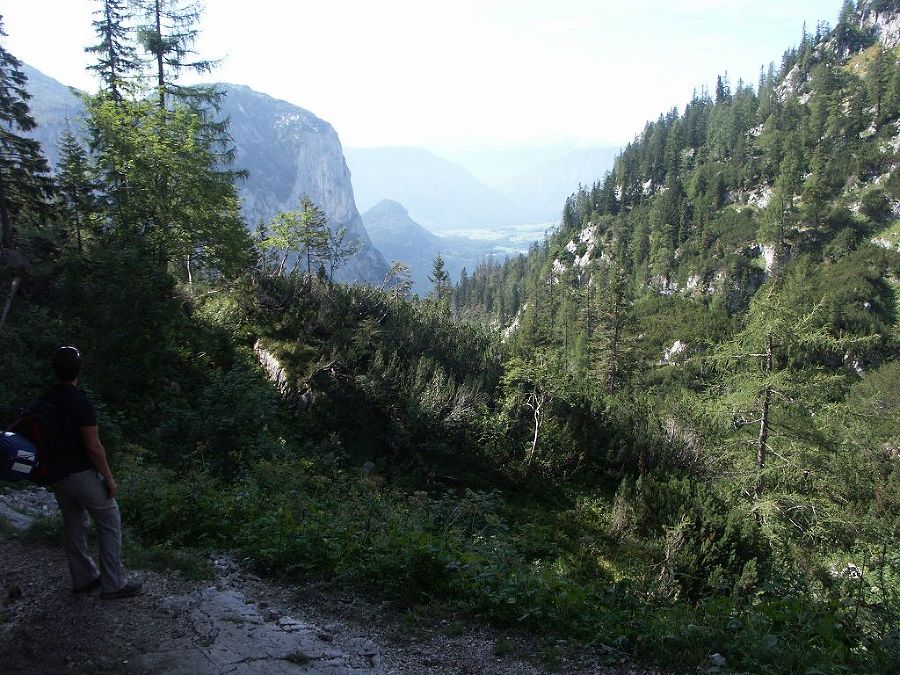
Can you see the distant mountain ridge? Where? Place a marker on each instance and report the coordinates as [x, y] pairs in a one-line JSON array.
[[53, 106], [399, 237], [439, 194], [444, 195], [543, 187]]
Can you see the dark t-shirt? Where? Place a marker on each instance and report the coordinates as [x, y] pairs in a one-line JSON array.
[[75, 411]]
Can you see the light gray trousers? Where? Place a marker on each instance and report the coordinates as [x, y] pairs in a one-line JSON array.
[[83, 493]]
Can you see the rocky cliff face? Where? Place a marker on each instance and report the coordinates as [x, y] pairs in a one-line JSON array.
[[53, 106], [290, 152], [882, 16]]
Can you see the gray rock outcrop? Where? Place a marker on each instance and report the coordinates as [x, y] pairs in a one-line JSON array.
[[290, 152], [883, 18]]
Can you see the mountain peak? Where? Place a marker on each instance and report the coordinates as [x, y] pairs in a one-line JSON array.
[[389, 207]]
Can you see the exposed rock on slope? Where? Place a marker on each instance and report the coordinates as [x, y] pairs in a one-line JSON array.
[[53, 106], [883, 19], [290, 152]]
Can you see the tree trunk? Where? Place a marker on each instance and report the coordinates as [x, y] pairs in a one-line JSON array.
[[9, 301], [763, 423], [8, 239], [536, 404], [614, 347], [77, 223], [160, 64]]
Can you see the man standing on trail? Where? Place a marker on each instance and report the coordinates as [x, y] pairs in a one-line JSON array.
[[88, 487]]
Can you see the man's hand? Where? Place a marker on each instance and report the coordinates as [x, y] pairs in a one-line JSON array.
[[111, 488], [90, 437]]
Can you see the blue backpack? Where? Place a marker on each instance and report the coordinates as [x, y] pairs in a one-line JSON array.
[[18, 457], [31, 448]]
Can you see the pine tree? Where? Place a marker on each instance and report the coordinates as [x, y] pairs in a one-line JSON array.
[[771, 380], [398, 280], [168, 35], [75, 186], [610, 320], [312, 231], [339, 249], [25, 186], [723, 90], [117, 64], [300, 232], [441, 280], [878, 81], [162, 185]]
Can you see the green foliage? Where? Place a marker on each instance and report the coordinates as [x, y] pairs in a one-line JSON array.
[[163, 185], [224, 430], [549, 427], [711, 547], [117, 62], [301, 232]]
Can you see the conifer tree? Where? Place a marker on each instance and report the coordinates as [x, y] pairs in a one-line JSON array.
[[398, 280], [168, 36], [312, 230], [25, 186], [339, 248], [441, 280], [74, 184], [771, 380], [117, 64], [878, 80], [163, 167], [303, 232], [608, 339]]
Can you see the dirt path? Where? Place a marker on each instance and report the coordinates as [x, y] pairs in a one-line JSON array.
[[236, 624]]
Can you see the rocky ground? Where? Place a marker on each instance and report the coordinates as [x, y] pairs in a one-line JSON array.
[[236, 623]]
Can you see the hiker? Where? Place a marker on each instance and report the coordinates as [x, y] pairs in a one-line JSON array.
[[88, 486]]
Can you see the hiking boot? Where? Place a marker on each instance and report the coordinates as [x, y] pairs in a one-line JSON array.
[[128, 590], [87, 588]]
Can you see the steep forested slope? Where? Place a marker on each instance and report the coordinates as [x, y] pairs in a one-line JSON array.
[[735, 278]]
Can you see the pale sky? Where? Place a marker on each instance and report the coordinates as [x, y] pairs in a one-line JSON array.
[[465, 74]]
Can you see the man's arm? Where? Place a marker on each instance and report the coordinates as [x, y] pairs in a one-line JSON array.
[[91, 438]]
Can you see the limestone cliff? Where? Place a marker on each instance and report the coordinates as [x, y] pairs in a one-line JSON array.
[[290, 152], [883, 17], [54, 107]]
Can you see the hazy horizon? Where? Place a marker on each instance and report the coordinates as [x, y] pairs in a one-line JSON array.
[[479, 82]]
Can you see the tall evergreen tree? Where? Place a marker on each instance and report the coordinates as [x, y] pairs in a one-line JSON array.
[[168, 36], [75, 186], [25, 186], [440, 278], [771, 380], [608, 345], [117, 64]]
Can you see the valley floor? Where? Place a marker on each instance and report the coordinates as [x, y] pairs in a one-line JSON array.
[[236, 623]]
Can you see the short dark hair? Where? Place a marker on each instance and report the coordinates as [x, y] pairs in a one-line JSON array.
[[67, 363]]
